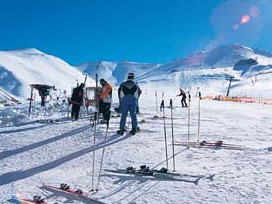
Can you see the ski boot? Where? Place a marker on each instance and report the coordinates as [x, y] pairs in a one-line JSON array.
[[145, 170], [163, 170], [38, 199], [79, 192], [133, 131], [203, 143], [64, 187], [131, 169], [219, 143], [120, 132], [103, 121]]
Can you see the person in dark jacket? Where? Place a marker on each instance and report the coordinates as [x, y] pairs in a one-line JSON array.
[[76, 101], [183, 99], [129, 93]]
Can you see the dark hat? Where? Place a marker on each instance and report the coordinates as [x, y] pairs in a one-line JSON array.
[[130, 75], [102, 80]]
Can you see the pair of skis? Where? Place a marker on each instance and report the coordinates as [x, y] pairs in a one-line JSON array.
[[63, 188], [161, 174], [77, 193], [209, 144], [34, 200]]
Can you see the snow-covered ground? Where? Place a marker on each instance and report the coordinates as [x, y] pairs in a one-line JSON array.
[[34, 153]]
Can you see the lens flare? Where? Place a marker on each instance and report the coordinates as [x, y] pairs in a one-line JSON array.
[[245, 19], [235, 27], [254, 12]]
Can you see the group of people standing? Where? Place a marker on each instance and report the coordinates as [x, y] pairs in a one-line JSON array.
[[128, 94]]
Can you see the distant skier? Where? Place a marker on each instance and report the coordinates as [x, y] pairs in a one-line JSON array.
[[129, 93], [76, 101], [183, 99], [137, 104], [105, 99]]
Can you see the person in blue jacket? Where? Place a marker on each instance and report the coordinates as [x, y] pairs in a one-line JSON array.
[[129, 93]]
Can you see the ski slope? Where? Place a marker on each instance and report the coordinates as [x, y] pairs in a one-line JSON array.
[[33, 154], [20, 68]]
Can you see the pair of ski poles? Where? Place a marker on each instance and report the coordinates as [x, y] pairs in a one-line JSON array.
[[162, 107], [172, 127], [103, 150]]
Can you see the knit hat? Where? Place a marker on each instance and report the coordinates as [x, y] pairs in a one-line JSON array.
[[130, 75]]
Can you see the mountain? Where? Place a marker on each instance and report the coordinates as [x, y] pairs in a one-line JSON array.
[[116, 72], [20, 68], [210, 70]]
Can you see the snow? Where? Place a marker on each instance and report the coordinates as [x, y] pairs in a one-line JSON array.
[[34, 154], [48, 148]]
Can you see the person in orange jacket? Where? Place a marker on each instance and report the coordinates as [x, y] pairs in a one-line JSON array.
[[105, 99]]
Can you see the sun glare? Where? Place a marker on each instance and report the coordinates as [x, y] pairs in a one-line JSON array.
[[245, 19]]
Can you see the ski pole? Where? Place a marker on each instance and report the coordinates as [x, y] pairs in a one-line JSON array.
[[156, 95], [189, 113], [165, 139], [103, 151], [198, 131], [95, 124], [172, 124]]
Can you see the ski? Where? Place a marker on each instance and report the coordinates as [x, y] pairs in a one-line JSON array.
[[215, 145], [161, 174], [34, 200], [79, 194]]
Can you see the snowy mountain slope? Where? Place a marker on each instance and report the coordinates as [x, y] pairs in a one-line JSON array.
[[116, 72], [211, 70], [20, 68], [103, 69], [221, 57]]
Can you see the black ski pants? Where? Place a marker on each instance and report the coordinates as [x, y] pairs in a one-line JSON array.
[[105, 109], [75, 111], [183, 102]]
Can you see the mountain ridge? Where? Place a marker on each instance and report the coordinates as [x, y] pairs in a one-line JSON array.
[[19, 68]]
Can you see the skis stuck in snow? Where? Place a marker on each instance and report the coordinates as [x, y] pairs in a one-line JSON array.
[[162, 174]]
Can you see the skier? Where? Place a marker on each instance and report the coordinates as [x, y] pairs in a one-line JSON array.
[[129, 93], [183, 99], [105, 99], [76, 101]]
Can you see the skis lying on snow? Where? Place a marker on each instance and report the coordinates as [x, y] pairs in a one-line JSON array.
[[162, 174], [214, 145], [78, 193], [34, 200]]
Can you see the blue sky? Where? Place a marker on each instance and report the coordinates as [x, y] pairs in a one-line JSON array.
[[136, 30]]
